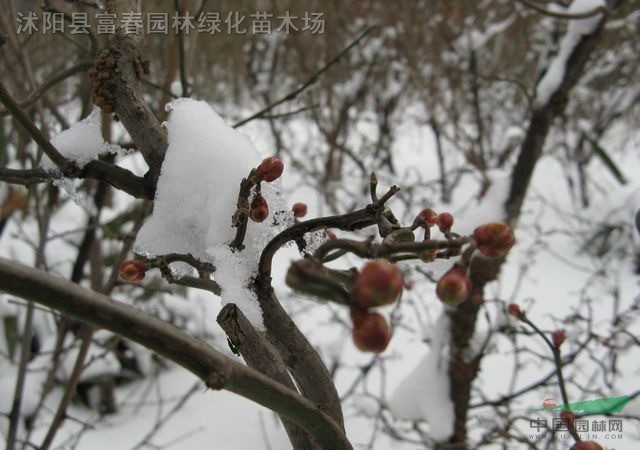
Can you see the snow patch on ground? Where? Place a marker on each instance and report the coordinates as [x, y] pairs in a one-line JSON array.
[[424, 394]]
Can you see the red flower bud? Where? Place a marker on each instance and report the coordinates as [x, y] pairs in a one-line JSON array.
[[371, 331], [299, 210], [445, 222], [454, 286], [558, 337], [378, 283], [132, 270], [330, 234], [494, 239], [259, 209], [429, 216], [270, 169], [586, 445], [514, 310]]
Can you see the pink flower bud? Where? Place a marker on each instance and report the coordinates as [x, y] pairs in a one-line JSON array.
[[379, 283], [445, 222], [270, 169], [259, 209], [514, 310], [132, 270], [299, 210], [371, 331], [558, 337], [494, 239], [429, 216], [454, 286]]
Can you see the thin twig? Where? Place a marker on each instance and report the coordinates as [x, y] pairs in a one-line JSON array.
[[312, 80], [48, 84], [60, 161], [25, 355]]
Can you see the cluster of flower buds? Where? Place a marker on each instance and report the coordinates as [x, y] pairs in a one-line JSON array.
[[430, 218], [269, 170], [454, 286], [494, 239], [379, 283], [132, 270], [586, 445]]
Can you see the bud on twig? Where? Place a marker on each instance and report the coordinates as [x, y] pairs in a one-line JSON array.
[[299, 210], [454, 286], [514, 310], [494, 239], [558, 337], [429, 217], [270, 169], [379, 283], [132, 270], [259, 209], [445, 222], [371, 331]]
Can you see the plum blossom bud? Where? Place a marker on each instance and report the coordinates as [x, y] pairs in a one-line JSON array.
[[259, 209], [132, 270], [514, 310], [445, 222], [330, 234], [371, 331], [454, 286], [299, 210], [494, 239], [379, 283], [270, 169], [558, 337], [428, 216]]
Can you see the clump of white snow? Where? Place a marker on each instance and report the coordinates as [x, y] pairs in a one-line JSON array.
[[81, 143], [577, 28], [196, 197], [198, 187], [424, 394]]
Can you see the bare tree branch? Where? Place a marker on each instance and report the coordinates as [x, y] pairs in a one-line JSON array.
[[217, 370]]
